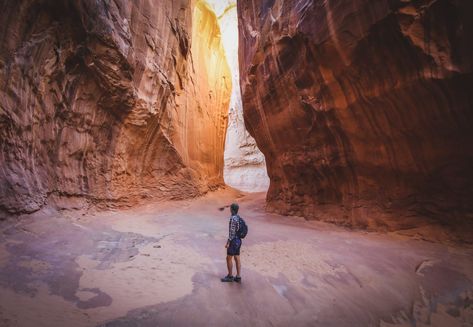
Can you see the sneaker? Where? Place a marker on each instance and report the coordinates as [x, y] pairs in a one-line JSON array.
[[227, 279], [237, 279]]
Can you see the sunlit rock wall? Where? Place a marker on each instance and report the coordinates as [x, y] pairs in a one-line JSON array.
[[245, 167], [366, 105], [109, 102]]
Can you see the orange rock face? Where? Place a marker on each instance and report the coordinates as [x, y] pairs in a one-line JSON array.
[[109, 102], [366, 105]]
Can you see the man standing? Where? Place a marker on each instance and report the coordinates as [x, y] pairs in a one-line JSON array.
[[233, 245]]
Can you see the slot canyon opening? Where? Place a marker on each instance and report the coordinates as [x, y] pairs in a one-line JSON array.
[[121, 121], [244, 164]]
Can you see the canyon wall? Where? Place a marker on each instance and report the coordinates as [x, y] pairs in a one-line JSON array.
[[245, 166], [362, 108], [109, 102]]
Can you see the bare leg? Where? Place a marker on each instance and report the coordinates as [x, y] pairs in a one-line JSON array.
[[229, 265], [238, 264]]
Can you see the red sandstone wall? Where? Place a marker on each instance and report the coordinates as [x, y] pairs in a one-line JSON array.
[[98, 102], [363, 103]]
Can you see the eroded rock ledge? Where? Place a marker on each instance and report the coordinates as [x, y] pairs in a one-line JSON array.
[[363, 109], [109, 102]]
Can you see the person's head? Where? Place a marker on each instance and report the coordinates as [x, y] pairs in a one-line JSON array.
[[234, 208]]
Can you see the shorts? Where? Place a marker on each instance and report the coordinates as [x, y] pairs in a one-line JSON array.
[[234, 247]]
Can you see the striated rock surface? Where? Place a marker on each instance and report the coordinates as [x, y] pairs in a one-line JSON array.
[[363, 109], [109, 102]]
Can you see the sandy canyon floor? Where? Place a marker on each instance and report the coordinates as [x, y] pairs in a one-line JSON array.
[[160, 265]]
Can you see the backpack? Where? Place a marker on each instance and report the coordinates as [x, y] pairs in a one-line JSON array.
[[243, 230]]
